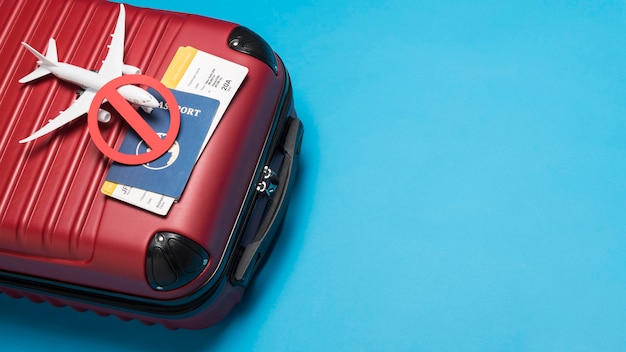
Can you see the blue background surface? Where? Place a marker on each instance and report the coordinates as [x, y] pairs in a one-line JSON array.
[[462, 185]]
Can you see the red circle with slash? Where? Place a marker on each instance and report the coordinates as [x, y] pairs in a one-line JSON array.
[[157, 145]]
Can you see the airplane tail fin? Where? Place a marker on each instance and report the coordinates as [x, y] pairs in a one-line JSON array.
[[51, 59]]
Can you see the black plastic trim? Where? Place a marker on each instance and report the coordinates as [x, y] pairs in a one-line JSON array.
[[245, 41], [275, 208], [173, 261]]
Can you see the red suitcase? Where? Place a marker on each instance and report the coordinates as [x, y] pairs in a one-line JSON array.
[[65, 242]]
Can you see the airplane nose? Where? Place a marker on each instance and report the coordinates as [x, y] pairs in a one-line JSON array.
[[152, 102]]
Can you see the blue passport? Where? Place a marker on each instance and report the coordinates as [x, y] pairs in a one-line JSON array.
[[169, 174]]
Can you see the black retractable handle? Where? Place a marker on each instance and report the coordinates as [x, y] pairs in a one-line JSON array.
[[274, 214]]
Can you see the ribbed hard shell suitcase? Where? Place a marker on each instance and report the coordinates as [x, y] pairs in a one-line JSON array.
[[64, 242]]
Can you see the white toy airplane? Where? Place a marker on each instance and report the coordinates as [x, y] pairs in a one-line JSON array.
[[112, 67]]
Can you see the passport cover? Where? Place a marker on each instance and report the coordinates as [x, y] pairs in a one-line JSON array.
[[168, 175]]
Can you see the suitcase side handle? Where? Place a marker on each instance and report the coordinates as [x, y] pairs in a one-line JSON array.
[[253, 253]]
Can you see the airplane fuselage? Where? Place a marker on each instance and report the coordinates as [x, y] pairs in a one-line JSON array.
[[92, 80]]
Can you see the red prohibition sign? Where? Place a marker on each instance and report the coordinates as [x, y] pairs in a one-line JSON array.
[[157, 145]]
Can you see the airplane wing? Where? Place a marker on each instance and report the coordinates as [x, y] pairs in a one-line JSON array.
[[76, 110], [114, 61]]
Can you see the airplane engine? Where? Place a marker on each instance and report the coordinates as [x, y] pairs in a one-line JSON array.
[[104, 116], [130, 70]]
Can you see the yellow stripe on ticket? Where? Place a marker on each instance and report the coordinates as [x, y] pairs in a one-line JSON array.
[[108, 188], [178, 66]]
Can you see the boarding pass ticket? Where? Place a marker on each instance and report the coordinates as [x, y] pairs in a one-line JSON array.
[[195, 72]]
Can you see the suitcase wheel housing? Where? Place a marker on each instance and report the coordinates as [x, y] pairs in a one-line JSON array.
[[173, 261]]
